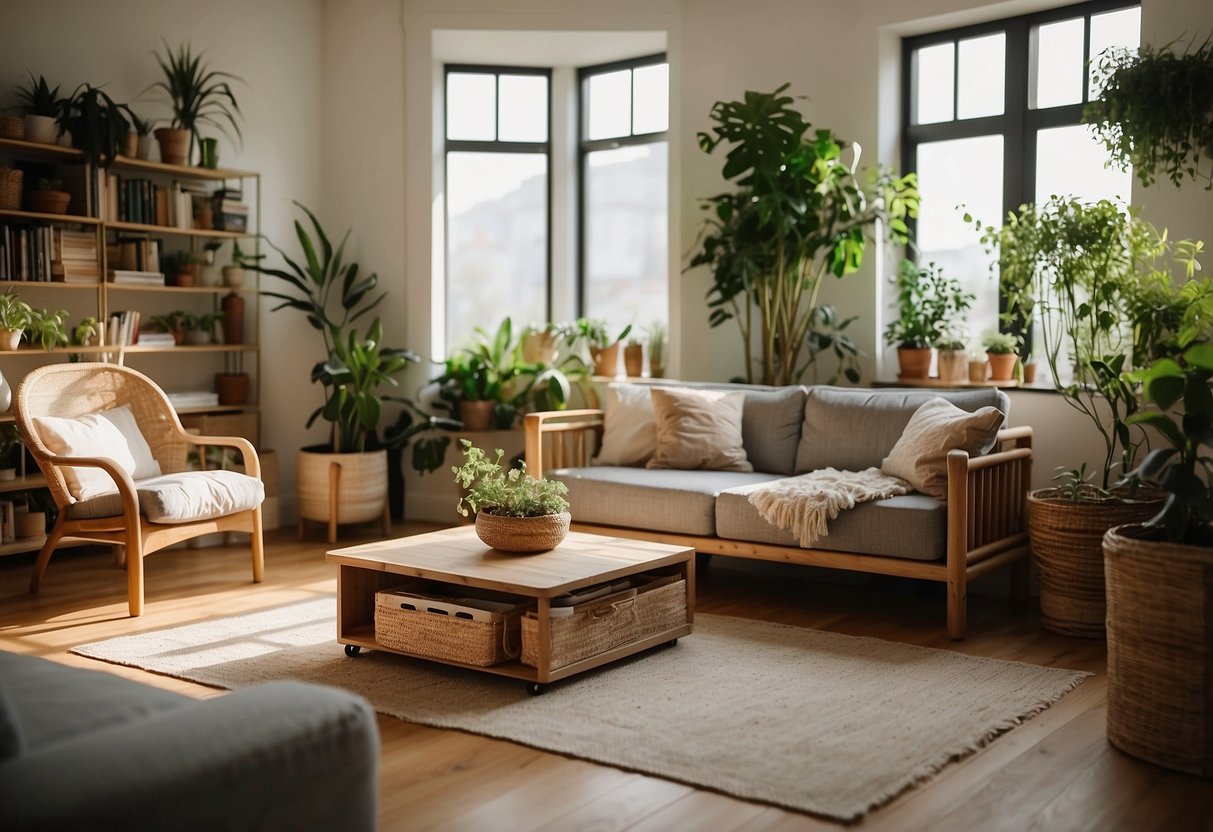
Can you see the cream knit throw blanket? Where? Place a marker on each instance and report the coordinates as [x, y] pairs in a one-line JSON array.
[[803, 504]]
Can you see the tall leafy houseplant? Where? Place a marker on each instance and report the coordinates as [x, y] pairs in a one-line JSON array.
[[797, 214], [198, 95], [1155, 111]]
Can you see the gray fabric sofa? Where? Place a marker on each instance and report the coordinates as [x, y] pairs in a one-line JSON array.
[[83, 749], [794, 430]]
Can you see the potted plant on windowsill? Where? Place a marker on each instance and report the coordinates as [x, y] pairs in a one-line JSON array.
[[514, 512], [1002, 351], [197, 95], [953, 359], [927, 302], [1160, 647], [592, 335]]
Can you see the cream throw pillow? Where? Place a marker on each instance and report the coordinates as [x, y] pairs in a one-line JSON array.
[[113, 434], [920, 456], [629, 431], [698, 429]]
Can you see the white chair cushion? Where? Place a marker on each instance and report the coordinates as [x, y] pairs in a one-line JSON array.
[[180, 498], [112, 434]]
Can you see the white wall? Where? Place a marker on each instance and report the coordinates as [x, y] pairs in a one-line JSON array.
[[275, 47]]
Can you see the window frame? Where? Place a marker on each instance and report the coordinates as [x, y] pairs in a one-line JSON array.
[[496, 146], [586, 146], [1019, 124]]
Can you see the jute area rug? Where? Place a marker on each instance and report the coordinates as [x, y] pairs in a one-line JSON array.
[[828, 724]]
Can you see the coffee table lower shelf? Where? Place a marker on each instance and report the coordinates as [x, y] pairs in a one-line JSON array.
[[364, 637]]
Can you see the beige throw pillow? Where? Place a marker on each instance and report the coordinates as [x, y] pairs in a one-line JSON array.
[[920, 456], [698, 429], [629, 432], [113, 434]]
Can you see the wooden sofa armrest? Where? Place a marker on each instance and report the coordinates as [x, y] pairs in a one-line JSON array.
[[557, 438]]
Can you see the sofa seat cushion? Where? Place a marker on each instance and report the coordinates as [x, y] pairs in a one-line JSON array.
[[51, 703], [912, 526], [679, 502], [853, 429], [184, 497]]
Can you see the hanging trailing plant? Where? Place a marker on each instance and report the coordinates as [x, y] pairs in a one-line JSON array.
[[1155, 111], [798, 213]]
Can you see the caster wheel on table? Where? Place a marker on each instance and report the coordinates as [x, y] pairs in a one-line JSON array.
[[536, 689], [672, 642], [352, 650]]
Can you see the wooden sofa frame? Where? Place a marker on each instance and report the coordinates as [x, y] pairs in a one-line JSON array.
[[986, 497]]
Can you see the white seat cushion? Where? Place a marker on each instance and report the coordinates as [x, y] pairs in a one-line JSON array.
[[112, 434], [180, 498]]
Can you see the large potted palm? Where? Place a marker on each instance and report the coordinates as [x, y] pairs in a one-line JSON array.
[[344, 480], [198, 96], [1160, 573], [1074, 268]]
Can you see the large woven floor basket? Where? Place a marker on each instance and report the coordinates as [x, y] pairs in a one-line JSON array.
[[1067, 542], [522, 534], [1160, 650]]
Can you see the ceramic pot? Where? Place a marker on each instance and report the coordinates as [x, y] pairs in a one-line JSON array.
[[232, 388], [914, 362], [174, 145], [477, 415], [143, 149], [41, 129], [185, 276], [130, 145], [6, 394], [197, 337], [606, 360], [233, 276], [633, 360], [10, 339]]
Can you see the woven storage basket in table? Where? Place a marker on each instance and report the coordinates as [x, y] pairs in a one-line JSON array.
[[610, 622], [1160, 650], [10, 189], [445, 637], [1067, 542]]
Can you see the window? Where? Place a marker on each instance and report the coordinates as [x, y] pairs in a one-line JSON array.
[[992, 120], [497, 198], [624, 192]]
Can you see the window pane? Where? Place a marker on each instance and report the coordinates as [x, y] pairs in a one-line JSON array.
[[982, 65], [497, 220], [524, 108], [470, 106], [934, 71], [1057, 76], [610, 104], [1070, 162], [626, 230], [1118, 28], [968, 173], [651, 98]]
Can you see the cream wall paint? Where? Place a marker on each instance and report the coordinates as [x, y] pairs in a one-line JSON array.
[[275, 46]]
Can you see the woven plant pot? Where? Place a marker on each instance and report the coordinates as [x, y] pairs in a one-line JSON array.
[[1160, 650], [522, 534], [361, 489], [1067, 541]]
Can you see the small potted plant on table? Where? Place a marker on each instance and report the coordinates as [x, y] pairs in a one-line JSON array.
[[514, 512]]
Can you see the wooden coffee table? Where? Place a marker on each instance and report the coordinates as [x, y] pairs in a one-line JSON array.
[[457, 557]]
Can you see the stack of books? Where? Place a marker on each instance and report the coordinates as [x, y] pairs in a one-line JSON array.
[[123, 328], [25, 252], [193, 398], [136, 253], [74, 256], [155, 338], [231, 214], [136, 278]]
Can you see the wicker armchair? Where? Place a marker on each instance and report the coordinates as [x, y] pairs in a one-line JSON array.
[[76, 390]]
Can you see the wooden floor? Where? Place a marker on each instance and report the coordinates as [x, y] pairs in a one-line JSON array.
[[1056, 771]]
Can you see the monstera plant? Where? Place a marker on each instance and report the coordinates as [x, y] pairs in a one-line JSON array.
[[797, 214]]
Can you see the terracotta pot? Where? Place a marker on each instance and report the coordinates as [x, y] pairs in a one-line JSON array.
[[1002, 365], [233, 318], [539, 347], [633, 360], [47, 202], [522, 534], [174, 145], [1029, 373], [606, 360], [232, 388], [361, 485], [130, 145], [953, 365], [477, 415], [185, 275], [1160, 649], [914, 362]]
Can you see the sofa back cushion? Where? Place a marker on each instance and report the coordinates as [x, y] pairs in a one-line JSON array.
[[854, 428], [770, 428]]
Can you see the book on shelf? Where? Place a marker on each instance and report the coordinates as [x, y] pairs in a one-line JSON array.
[[123, 328], [133, 277], [134, 253], [74, 256], [194, 398], [156, 338], [26, 252]]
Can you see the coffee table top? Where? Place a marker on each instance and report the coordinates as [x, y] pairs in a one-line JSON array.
[[457, 556]]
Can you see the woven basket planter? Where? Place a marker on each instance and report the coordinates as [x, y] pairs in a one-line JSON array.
[[1067, 541], [522, 534], [361, 489], [1160, 650]]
